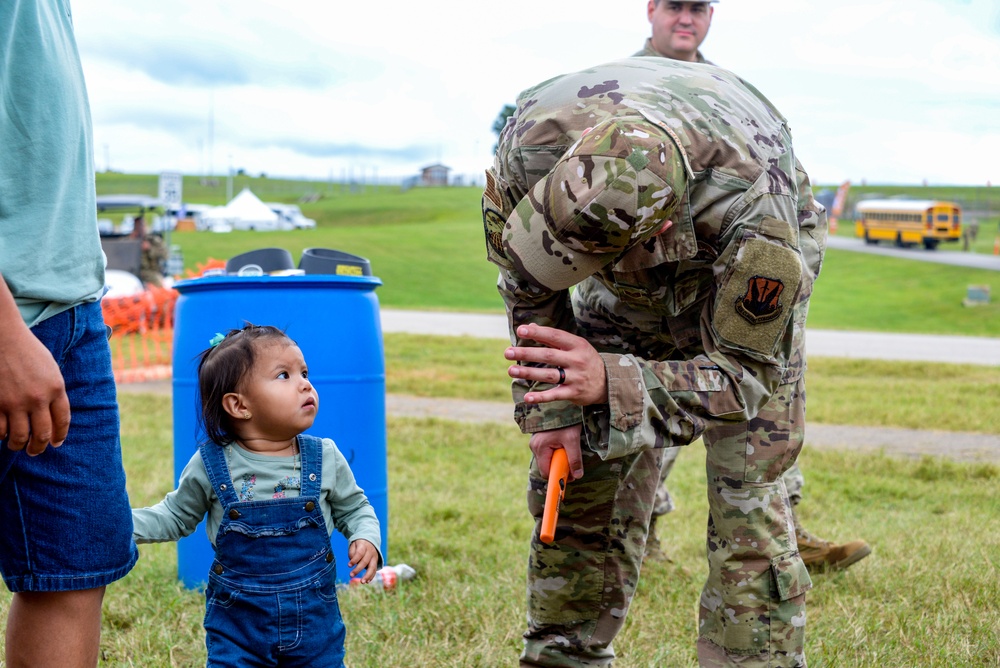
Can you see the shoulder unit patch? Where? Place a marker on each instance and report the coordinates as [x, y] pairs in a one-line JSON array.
[[494, 222], [761, 302], [757, 295]]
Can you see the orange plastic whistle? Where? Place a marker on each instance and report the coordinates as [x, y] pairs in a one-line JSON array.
[[558, 475]]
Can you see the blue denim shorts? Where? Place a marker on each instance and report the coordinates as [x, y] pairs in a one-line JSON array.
[[65, 516]]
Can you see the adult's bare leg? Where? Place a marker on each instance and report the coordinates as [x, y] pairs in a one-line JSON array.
[[54, 629]]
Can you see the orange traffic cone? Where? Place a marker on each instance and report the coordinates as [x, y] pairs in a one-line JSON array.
[[996, 246]]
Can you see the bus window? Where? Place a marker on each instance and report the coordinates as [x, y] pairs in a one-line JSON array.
[[943, 217]]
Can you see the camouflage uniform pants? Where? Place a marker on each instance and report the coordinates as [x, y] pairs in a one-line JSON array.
[[664, 503], [794, 482], [752, 610]]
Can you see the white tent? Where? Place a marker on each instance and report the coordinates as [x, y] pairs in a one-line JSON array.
[[244, 212]]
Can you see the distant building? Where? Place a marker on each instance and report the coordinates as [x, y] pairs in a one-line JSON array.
[[434, 175]]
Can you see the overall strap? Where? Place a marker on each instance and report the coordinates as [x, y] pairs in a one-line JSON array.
[[214, 457], [311, 458]]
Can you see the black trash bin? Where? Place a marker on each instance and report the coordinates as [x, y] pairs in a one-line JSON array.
[[260, 261], [330, 261]]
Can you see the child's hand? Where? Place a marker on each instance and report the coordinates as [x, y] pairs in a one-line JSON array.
[[363, 556]]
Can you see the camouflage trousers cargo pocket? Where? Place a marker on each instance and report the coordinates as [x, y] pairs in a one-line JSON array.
[[765, 611], [787, 582]]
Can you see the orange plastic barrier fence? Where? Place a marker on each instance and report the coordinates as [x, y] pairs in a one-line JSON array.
[[142, 334], [142, 330]]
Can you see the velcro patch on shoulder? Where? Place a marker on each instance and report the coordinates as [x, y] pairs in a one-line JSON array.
[[755, 302], [779, 229], [494, 222]]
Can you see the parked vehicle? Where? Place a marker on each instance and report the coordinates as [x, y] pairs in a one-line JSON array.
[[290, 217], [121, 283], [908, 222]]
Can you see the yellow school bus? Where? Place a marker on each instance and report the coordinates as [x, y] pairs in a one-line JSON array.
[[907, 221]]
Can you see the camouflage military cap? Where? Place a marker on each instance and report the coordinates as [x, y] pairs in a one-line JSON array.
[[613, 188]]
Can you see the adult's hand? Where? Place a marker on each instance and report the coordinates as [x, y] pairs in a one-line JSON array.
[[583, 382], [544, 443], [34, 408]]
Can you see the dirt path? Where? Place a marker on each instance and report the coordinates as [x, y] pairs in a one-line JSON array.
[[959, 446]]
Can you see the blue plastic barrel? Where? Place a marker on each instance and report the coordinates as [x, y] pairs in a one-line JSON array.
[[335, 321]]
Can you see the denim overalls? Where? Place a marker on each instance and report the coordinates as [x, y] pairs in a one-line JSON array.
[[271, 596]]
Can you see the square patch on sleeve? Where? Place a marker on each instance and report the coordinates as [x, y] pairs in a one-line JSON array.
[[494, 222], [755, 303]]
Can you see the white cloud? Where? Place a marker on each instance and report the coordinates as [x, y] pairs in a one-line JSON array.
[[886, 90]]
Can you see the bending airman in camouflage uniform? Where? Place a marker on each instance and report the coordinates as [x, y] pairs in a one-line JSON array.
[[668, 194]]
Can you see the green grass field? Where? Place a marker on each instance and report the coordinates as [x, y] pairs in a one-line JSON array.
[[928, 596]]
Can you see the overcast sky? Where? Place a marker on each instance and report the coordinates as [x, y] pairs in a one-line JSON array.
[[886, 91]]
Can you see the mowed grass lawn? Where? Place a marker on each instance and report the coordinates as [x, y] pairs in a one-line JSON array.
[[928, 596]]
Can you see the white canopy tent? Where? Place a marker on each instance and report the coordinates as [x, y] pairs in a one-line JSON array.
[[244, 212]]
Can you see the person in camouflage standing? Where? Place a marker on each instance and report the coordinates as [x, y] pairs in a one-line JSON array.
[[678, 30], [668, 195], [154, 256]]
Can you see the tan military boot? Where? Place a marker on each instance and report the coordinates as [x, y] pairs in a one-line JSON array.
[[819, 554]]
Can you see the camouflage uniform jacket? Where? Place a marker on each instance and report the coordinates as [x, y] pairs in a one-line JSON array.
[[689, 324], [154, 255], [648, 51]]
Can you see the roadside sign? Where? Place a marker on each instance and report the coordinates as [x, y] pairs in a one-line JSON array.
[[171, 186]]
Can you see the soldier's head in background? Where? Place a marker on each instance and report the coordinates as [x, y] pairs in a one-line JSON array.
[[679, 28]]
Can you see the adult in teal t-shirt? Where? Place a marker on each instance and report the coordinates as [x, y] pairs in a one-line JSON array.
[[50, 249], [60, 456]]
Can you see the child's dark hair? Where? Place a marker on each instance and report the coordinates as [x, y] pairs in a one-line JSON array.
[[221, 371]]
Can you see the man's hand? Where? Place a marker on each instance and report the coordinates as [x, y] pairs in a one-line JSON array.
[[363, 556], [544, 443], [584, 381], [34, 408]]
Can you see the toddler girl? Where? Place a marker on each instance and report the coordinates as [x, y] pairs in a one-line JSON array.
[[272, 495]]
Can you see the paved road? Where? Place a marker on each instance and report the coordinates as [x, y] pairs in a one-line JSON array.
[[939, 256], [819, 343]]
